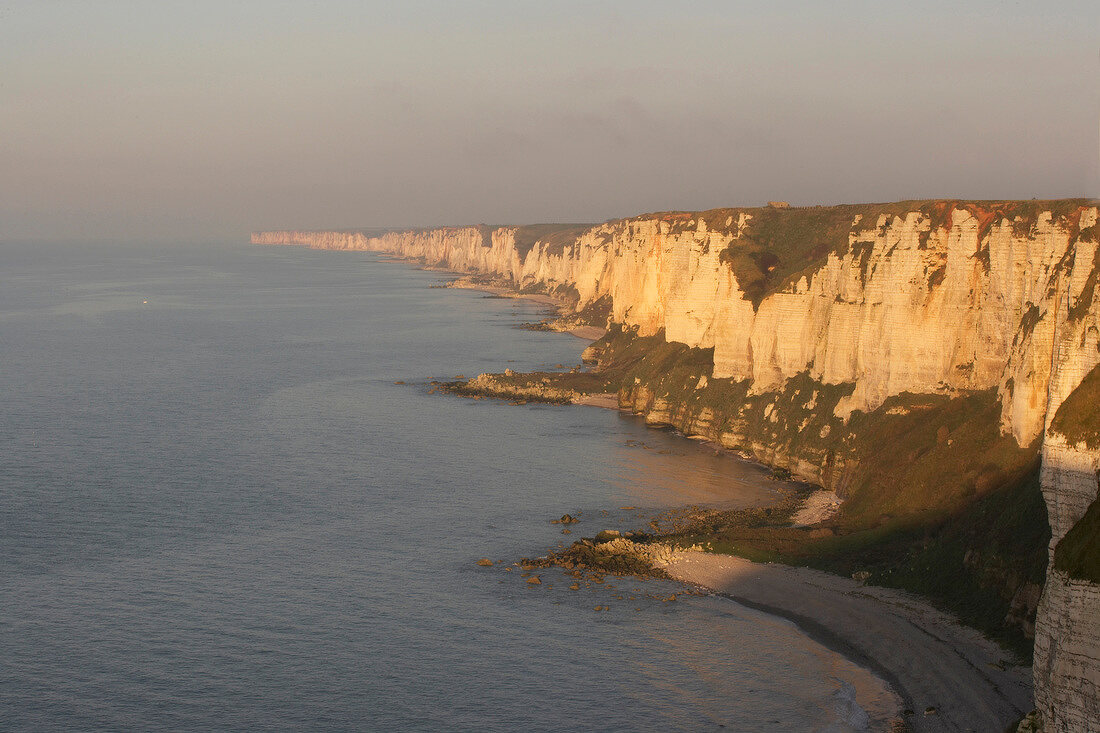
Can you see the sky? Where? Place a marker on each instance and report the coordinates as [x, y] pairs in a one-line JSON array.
[[206, 120]]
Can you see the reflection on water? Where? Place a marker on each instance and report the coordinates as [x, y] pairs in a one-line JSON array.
[[219, 511], [663, 468]]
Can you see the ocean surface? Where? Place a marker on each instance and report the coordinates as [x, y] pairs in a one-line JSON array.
[[219, 512]]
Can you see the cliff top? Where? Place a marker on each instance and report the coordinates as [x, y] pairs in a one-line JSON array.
[[778, 245]]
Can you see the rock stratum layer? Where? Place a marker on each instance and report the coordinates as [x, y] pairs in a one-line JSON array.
[[914, 298]]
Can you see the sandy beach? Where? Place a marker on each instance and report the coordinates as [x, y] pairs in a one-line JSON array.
[[965, 681]]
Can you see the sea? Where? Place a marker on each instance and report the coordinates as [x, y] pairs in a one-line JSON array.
[[230, 501]]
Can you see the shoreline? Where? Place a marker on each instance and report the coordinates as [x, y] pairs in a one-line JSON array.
[[463, 282], [927, 658]]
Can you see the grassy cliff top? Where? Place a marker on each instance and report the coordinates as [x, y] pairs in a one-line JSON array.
[[779, 244]]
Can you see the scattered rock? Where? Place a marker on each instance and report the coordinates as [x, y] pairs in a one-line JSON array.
[[606, 535], [485, 562], [930, 710], [460, 376], [861, 576], [534, 580], [575, 586], [399, 382], [567, 531]]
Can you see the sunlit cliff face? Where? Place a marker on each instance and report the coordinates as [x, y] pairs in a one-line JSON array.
[[905, 307]]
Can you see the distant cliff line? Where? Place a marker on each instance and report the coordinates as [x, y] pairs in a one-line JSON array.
[[923, 297]]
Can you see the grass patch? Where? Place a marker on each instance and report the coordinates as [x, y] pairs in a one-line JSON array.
[[1078, 553], [1078, 417]]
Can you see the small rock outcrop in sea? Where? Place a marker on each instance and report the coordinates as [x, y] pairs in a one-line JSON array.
[[612, 553]]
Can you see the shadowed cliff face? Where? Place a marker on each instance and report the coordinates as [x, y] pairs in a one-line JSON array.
[[872, 302]]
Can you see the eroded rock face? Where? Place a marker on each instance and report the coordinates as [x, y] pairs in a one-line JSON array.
[[1067, 625], [1067, 647], [909, 307]]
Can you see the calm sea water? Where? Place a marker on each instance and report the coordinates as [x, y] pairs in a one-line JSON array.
[[219, 512]]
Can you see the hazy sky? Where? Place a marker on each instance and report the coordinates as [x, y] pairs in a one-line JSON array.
[[206, 120]]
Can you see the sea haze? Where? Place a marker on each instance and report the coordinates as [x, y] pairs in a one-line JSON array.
[[219, 511]]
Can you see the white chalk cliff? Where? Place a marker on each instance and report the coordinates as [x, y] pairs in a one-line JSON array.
[[980, 299]]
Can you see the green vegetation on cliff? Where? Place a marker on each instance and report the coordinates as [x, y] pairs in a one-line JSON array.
[[985, 561], [1078, 417], [1078, 553]]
